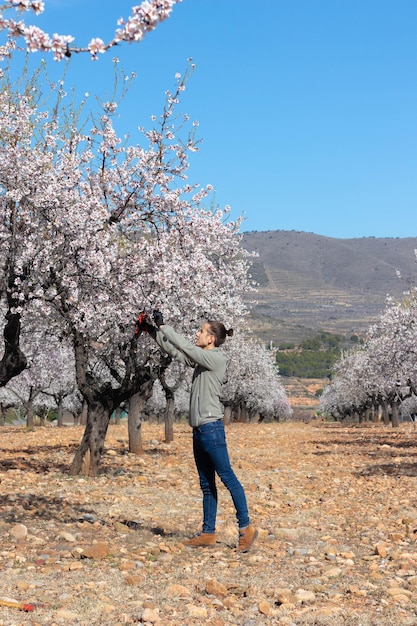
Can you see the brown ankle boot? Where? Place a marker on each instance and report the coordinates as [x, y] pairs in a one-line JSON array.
[[201, 540], [246, 538]]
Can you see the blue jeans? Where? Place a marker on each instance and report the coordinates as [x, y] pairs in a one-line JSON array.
[[211, 457]]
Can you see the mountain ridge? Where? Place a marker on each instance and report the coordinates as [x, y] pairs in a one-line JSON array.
[[309, 282]]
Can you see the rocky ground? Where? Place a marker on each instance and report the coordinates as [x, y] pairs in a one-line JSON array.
[[335, 507]]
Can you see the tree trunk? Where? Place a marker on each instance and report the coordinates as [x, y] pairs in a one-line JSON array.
[[60, 420], [242, 412], [134, 421], [227, 417], [170, 402], [169, 419], [385, 413], [84, 414], [117, 415], [92, 445], [30, 422], [13, 361], [395, 418]]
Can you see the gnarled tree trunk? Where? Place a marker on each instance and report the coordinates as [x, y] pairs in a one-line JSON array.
[[87, 457], [13, 361], [102, 399]]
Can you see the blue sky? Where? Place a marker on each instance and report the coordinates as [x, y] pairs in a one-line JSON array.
[[307, 108]]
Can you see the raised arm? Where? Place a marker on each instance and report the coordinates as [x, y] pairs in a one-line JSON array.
[[170, 348], [167, 336]]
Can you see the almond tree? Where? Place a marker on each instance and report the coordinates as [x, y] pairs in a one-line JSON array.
[[347, 393], [24, 167], [392, 351], [48, 381], [94, 231], [383, 372], [253, 383]]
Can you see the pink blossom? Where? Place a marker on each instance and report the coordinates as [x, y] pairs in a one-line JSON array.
[[96, 46], [36, 39], [144, 18]]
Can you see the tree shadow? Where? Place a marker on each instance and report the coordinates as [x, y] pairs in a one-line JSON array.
[[381, 447], [42, 459], [154, 530], [52, 459], [389, 469], [392, 440], [15, 507], [33, 464]]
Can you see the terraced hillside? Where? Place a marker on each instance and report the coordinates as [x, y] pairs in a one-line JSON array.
[[308, 282]]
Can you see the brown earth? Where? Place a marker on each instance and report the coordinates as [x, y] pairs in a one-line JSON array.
[[335, 507]]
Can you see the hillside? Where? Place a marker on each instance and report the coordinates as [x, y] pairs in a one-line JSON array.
[[309, 282]]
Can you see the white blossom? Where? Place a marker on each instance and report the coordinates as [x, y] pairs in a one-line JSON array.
[[144, 18]]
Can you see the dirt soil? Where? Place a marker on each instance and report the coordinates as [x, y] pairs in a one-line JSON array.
[[335, 507]]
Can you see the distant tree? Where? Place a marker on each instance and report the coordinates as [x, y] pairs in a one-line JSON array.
[[306, 364], [382, 372], [253, 385], [313, 358], [48, 380], [286, 345], [311, 344]]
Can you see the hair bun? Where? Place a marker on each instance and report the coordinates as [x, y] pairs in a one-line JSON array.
[[229, 332]]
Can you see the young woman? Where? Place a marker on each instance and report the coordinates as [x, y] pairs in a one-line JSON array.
[[205, 416]]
